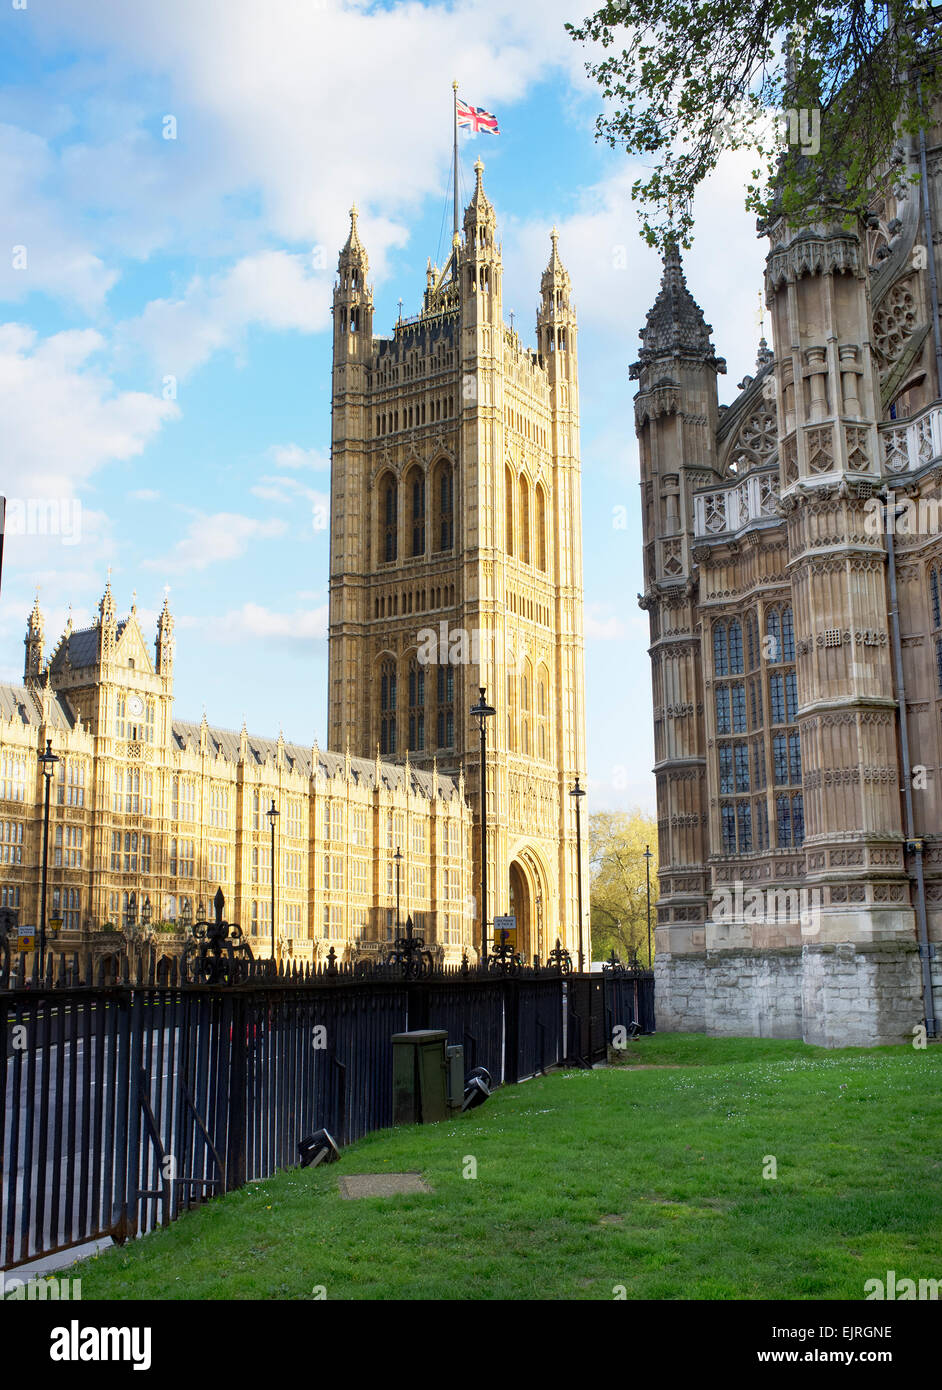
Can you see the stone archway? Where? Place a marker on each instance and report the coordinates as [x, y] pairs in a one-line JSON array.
[[528, 896], [520, 907]]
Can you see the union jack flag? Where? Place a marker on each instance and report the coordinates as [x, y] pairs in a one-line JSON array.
[[475, 118]]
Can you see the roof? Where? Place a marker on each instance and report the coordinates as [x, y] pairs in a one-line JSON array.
[[81, 647], [186, 736], [22, 704]]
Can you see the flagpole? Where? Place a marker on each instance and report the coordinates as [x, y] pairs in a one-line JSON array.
[[454, 87]]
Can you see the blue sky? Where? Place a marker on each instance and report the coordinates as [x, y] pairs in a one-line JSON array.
[[165, 330]]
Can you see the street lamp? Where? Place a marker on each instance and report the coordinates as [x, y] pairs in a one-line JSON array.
[[648, 857], [48, 761], [186, 915], [397, 860], [130, 914], [146, 913], [272, 817], [578, 793], [482, 711]]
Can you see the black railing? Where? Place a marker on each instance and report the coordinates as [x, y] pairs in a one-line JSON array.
[[124, 1103]]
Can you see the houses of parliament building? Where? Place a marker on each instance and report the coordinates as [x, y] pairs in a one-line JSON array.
[[793, 582], [455, 565]]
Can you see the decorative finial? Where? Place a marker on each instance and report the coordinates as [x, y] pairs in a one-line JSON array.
[[133, 601]]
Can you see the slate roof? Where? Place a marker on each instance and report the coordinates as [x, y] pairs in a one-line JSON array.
[[82, 649], [186, 735], [19, 703]]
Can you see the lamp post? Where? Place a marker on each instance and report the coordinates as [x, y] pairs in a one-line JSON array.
[[577, 793], [48, 761], [482, 711], [648, 856], [186, 916], [272, 817], [397, 860], [539, 924]]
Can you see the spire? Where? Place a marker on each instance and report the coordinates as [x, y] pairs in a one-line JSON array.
[[164, 643], [675, 322], [353, 245], [555, 277], [480, 209], [33, 641], [106, 608]]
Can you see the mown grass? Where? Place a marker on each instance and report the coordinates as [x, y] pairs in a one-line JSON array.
[[589, 1180]]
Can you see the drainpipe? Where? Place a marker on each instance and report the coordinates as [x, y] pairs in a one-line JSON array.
[[914, 843]]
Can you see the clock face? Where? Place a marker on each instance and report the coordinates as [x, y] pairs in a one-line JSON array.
[[136, 706]]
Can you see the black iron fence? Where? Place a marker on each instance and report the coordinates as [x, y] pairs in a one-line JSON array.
[[122, 1104]]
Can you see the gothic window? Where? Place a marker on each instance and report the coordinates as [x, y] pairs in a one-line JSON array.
[[727, 648], [509, 511], [119, 723], [728, 822], [752, 646], [387, 705], [390, 496], [445, 497], [790, 821], [525, 685], [416, 707], [542, 710], [523, 521], [415, 489], [934, 593], [540, 528], [445, 694]]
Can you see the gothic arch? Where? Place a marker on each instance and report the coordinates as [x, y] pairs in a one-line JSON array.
[[530, 898]]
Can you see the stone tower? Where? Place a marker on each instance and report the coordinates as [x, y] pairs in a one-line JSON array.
[[456, 558]]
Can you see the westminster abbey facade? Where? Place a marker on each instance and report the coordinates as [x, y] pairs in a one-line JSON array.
[[793, 582], [455, 563]]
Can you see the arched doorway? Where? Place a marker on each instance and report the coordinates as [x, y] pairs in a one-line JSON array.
[[520, 908]]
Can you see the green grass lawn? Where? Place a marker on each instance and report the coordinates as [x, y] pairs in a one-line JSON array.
[[649, 1179]]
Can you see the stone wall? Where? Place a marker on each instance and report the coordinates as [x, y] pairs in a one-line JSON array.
[[831, 995]]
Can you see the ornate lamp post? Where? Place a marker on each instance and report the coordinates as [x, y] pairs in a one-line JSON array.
[[397, 860], [186, 915], [272, 818], [47, 761], [648, 857], [482, 711], [577, 793]]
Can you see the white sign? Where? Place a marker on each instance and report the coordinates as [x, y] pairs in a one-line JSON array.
[[505, 924]]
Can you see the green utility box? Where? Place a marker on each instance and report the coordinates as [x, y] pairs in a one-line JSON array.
[[419, 1078]]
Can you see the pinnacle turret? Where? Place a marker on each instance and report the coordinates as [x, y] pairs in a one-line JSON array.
[[675, 322]]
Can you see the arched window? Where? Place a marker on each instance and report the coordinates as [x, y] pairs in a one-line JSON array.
[[445, 694], [934, 595], [526, 681], [416, 707], [509, 512], [727, 648], [415, 491], [540, 527], [445, 502], [523, 521], [390, 503], [387, 708]]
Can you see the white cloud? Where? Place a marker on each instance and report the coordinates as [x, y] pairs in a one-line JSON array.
[[272, 289], [301, 106], [62, 416], [43, 252], [144, 494], [210, 539], [287, 491], [293, 456], [303, 627]]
